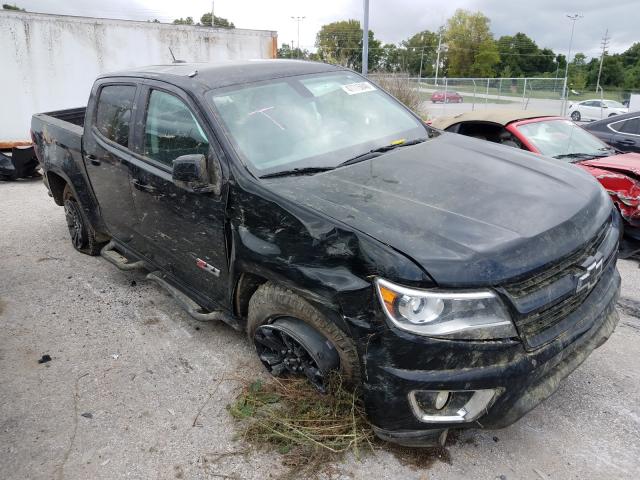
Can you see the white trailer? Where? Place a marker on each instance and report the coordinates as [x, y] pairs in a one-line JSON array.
[[49, 62]]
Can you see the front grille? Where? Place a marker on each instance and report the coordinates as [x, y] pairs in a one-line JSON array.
[[554, 272], [537, 322]]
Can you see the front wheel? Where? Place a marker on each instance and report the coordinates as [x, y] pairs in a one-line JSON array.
[[293, 338], [83, 236], [575, 116]]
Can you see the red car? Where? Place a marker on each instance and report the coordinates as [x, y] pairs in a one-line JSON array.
[[446, 97], [560, 138]]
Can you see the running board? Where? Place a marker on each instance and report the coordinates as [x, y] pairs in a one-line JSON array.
[[110, 254], [191, 307]]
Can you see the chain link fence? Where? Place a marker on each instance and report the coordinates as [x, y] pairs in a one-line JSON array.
[[457, 95]]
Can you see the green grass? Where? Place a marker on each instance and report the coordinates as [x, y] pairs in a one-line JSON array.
[[505, 91]]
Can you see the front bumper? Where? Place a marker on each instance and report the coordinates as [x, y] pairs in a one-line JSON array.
[[397, 363]]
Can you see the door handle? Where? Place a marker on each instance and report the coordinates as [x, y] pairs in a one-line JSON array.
[[626, 142], [92, 159], [145, 187]]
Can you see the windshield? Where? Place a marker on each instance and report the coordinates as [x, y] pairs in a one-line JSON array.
[[563, 139], [613, 104], [311, 121]]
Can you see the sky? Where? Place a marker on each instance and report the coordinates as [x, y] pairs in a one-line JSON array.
[[391, 20]]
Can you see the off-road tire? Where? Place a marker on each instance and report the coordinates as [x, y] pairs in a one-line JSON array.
[[85, 239], [271, 301], [575, 116]]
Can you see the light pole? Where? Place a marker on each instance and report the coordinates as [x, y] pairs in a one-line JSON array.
[[365, 39], [421, 58], [438, 56], [298, 19], [573, 18]]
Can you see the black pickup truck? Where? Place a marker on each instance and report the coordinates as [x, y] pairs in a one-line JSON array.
[[453, 282]]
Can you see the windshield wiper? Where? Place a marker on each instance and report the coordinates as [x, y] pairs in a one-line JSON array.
[[297, 171], [379, 151], [582, 156]]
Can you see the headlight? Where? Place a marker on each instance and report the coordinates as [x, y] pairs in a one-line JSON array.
[[478, 315]]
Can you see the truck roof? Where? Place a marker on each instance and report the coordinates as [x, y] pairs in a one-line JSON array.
[[225, 73]]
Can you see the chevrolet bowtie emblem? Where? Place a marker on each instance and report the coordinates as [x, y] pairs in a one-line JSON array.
[[593, 267]]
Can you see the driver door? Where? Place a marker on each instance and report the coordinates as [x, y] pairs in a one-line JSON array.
[[183, 231]]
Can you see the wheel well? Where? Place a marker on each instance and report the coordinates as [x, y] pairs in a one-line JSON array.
[[56, 185], [246, 286]]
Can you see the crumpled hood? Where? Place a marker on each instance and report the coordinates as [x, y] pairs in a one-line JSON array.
[[469, 212], [626, 163]]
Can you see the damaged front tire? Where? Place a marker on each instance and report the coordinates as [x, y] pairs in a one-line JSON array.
[[294, 338]]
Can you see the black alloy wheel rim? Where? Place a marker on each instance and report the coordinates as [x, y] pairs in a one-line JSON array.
[[285, 355], [74, 223]]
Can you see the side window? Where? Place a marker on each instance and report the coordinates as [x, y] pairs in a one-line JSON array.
[[631, 126], [113, 113], [171, 130]]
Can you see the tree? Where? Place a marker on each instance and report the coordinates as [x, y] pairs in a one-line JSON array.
[[486, 59], [631, 56], [341, 43], [285, 51], [578, 72], [470, 43], [523, 57], [205, 21], [390, 58], [6, 6], [183, 21], [421, 50]]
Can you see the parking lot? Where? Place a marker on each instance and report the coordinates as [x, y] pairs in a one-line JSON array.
[[137, 389]]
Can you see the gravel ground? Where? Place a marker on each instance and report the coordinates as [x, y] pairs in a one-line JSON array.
[[131, 374]]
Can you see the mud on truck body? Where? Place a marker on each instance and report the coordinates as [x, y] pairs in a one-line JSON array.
[[453, 282]]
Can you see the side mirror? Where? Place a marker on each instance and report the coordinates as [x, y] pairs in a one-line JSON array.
[[190, 173]]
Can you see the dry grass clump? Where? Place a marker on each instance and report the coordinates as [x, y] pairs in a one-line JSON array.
[[313, 431], [402, 88], [308, 428]]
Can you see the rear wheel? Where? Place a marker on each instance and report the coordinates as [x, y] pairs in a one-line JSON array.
[[292, 338], [575, 116], [83, 236]]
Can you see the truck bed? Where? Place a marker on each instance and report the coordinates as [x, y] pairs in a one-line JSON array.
[[71, 115], [58, 142]]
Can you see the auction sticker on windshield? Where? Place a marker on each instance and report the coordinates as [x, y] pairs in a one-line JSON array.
[[360, 87]]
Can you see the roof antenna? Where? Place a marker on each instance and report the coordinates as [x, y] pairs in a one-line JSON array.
[[174, 57]]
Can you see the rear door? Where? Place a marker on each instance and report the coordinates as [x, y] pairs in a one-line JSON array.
[[590, 110], [626, 134], [107, 150], [183, 231]]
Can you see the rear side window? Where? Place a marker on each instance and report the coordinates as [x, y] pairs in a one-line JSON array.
[[631, 126], [171, 130], [114, 112]]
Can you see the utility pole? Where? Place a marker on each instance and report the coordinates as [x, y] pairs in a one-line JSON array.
[[298, 19], [292, 49], [421, 59], [365, 39], [605, 44], [573, 18], [438, 56], [213, 21]]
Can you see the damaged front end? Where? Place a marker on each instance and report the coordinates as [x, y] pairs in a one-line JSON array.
[[620, 177], [418, 385]]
